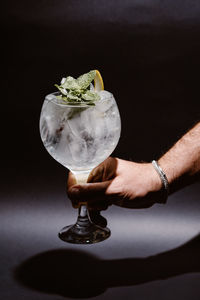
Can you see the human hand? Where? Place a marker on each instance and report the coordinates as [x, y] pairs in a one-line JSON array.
[[120, 182]]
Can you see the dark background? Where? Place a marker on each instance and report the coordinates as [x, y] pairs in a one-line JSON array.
[[148, 54]]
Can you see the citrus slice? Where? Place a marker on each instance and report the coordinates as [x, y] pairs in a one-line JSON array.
[[98, 82]]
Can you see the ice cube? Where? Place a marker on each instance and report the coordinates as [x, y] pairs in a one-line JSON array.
[[105, 102]]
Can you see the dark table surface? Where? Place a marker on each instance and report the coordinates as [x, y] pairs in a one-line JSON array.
[[151, 254]]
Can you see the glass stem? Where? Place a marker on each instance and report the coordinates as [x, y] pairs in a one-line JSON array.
[[83, 218], [83, 211]]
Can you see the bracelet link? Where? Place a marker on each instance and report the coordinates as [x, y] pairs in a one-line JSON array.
[[163, 179]]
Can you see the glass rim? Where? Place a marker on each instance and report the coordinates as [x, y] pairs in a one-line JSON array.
[[71, 104]]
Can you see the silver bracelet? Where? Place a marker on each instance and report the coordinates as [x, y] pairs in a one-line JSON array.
[[163, 179]]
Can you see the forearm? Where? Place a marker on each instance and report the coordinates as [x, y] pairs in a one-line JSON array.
[[182, 162]]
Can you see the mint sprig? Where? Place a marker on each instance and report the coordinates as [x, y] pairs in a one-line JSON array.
[[78, 90]]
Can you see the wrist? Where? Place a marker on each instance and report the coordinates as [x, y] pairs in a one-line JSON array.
[[167, 169]]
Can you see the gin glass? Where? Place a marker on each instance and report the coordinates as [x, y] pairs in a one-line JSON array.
[[80, 136]]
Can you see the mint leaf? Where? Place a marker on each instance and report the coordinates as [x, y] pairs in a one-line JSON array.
[[61, 89], [85, 79], [72, 97], [70, 84], [78, 90]]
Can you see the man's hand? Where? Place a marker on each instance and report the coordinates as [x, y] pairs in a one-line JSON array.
[[116, 181], [137, 185]]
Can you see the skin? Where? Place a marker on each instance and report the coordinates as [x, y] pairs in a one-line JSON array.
[[137, 185]]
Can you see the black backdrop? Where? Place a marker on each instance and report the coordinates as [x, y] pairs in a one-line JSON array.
[[147, 52]]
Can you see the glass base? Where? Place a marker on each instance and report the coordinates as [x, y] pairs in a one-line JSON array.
[[89, 234]]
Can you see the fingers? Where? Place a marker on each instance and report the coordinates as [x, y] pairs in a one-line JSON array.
[[97, 218], [95, 194], [138, 202]]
